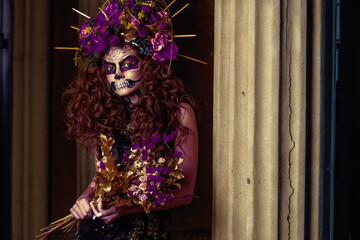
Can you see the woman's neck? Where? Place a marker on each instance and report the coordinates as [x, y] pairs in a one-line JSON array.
[[133, 98]]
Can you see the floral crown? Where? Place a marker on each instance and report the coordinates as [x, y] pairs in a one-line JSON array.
[[144, 24]]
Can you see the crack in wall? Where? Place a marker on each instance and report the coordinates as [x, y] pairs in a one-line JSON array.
[[292, 148], [288, 46]]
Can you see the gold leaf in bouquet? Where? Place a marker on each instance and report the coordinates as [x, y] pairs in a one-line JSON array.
[[170, 162], [107, 142], [178, 164], [177, 174], [106, 186]]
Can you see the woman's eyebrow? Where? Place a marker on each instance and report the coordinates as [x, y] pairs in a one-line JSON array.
[[129, 57], [109, 63]]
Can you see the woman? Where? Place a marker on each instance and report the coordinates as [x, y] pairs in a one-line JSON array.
[[129, 94]]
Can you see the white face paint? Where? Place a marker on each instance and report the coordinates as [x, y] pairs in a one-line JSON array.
[[123, 70]]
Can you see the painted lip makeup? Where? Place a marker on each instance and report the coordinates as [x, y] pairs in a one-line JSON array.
[[123, 84]]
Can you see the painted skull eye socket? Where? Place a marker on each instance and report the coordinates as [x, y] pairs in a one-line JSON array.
[[110, 68], [129, 63]]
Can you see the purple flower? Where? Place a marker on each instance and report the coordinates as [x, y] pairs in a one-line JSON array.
[[113, 12], [143, 197], [155, 178], [98, 43], [135, 22], [143, 178], [170, 136], [111, 9], [152, 188], [166, 170], [169, 52], [87, 49], [177, 154], [168, 199], [131, 2], [143, 143], [102, 165], [105, 34], [135, 146], [125, 159], [84, 30], [163, 14], [153, 170], [162, 25], [126, 153], [99, 21], [143, 31], [146, 8], [83, 41], [154, 140], [143, 186], [113, 41], [159, 198], [130, 193], [159, 41], [154, 18], [144, 157]]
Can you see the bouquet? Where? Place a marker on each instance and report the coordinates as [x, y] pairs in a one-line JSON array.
[[142, 178]]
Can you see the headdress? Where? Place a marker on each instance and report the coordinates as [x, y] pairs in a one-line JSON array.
[[144, 24]]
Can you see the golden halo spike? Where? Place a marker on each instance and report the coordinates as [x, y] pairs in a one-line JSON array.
[[104, 14], [193, 59], [75, 28], [67, 48], [184, 36], [81, 13], [169, 5], [180, 10]]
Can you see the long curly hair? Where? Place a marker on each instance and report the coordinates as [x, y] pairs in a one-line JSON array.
[[92, 107]]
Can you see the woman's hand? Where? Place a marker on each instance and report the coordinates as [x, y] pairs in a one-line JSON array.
[[81, 209], [108, 215]]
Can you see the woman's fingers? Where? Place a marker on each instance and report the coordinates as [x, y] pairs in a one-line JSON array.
[[100, 207], [81, 209], [96, 211], [110, 214], [74, 213]]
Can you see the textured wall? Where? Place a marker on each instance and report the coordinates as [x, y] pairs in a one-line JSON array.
[[30, 146], [259, 119]]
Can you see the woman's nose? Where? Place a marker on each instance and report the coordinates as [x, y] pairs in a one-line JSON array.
[[118, 77]]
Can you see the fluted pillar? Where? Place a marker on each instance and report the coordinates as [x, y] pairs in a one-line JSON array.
[[30, 142], [259, 119]]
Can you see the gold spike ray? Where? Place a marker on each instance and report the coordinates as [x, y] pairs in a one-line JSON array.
[[81, 13], [77, 29], [180, 10], [193, 59], [169, 5], [184, 35], [67, 48]]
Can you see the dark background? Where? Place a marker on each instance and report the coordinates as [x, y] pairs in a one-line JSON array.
[[347, 159]]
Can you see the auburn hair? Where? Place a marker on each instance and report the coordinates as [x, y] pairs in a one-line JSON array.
[[92, 107]]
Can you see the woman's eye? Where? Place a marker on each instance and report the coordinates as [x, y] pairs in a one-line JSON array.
[[128, 65], [110, 68]]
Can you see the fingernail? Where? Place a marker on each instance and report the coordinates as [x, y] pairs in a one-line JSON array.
[[94, 217], [99, 214]]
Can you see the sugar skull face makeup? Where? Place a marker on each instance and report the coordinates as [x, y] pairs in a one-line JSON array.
[[123, 70]]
